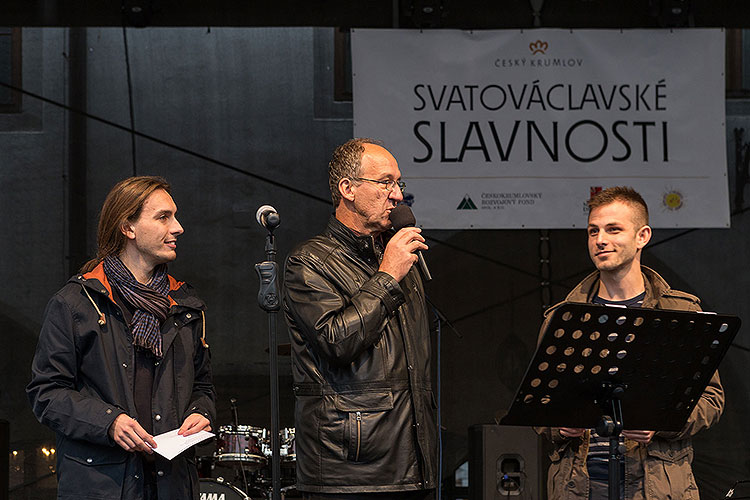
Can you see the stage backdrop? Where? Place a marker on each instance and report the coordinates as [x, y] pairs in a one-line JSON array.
[[515, 129]]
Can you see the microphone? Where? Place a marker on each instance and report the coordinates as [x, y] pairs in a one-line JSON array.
[[268, 217], [402, 216]]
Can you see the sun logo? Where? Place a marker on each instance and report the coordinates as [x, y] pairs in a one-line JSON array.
[[538, 47], [673, 200]]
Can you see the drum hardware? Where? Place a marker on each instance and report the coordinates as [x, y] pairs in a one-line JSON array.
[[218, 489], [247, 450]]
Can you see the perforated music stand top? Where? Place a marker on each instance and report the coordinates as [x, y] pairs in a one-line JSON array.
[[664, 358]]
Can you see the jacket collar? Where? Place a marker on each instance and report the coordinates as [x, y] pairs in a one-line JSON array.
[[364, 246], [96, 281], [655, 285]]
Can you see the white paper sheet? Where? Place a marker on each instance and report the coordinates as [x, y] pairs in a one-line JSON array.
[[170, 444]]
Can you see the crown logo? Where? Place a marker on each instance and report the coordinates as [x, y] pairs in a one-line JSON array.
[[538, 47]]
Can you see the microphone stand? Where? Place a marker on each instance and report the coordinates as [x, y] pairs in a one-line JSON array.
[[441, 319], [268, 299]]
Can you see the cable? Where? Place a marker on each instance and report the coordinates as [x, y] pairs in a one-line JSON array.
[[482, 257], [130, 97], [161, 142], [439, 406], [652, 245], [232, 168], [135, 133], [545, 269]]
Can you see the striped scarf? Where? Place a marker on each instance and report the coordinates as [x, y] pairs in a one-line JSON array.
[[150, 301]]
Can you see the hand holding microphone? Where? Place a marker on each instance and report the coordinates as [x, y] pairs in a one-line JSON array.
[[405, 248]]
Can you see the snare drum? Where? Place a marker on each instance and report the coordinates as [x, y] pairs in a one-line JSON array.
[[242, 445], [215, 489]]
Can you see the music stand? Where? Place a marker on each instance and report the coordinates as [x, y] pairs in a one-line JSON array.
[[600, 366]]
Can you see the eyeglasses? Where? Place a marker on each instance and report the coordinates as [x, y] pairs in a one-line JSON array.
[[388, 184]]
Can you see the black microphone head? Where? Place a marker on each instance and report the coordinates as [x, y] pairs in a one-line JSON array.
[[402, 216], [268, 217], [263, 211]]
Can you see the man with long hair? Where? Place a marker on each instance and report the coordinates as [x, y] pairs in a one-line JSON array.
[[122, 357]]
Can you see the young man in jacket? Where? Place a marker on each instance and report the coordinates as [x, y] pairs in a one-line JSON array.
[[359, 326], [656, 465], [122, 357]]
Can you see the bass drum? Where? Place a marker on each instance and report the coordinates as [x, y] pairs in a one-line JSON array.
[[218, 489]]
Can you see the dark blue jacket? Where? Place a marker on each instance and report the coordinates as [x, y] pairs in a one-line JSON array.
[[83, 378]]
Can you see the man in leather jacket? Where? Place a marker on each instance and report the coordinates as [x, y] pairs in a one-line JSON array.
[[122, 357], [359, 326], [656, 465]]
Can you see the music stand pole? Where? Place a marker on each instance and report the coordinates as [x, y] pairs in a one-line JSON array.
[[268, 299], [611, 426]]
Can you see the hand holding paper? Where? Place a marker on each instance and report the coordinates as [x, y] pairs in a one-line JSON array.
[[170, 444]]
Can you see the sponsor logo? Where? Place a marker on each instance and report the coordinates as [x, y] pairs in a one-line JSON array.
[[501, 201], [592, 191], [408, 199], [539, 59], [538, 47], [672, 200], [466, 204]]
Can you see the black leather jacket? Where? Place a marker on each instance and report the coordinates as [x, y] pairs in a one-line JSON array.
[[82, 379], [365, 410]]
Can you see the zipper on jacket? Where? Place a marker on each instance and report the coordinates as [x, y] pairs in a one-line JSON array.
[[359, 435]]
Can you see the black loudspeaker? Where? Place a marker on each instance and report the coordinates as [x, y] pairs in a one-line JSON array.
[[4, 459], [505, 462]]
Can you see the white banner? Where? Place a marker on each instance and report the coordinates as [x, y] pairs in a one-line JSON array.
[[515, 129]]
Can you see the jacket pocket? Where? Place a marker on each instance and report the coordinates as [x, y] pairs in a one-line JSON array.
[[366, 440], [91, 471], [669, 474]]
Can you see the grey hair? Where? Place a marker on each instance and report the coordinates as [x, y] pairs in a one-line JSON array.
[[346, 163]]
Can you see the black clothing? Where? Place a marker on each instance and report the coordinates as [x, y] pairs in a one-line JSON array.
[[365, 410], [83, 378]]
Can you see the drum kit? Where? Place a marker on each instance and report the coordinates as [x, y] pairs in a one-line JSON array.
[[244, 453]]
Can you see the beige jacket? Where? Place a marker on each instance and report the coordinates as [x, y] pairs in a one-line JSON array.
[[657, 471]]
